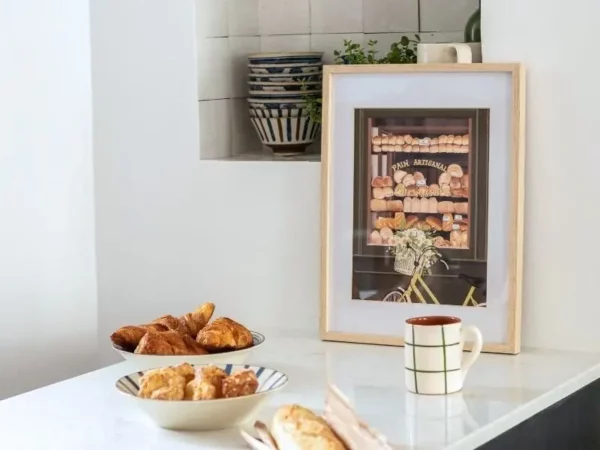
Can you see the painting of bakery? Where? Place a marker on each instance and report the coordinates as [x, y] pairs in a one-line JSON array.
[[426, 171]]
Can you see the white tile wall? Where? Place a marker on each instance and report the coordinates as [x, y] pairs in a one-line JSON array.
[[283, 17], [227, 30], [215, 128], [214, 69], [446, 15], [287, 43], [211, 18], [239, 48], [243, 17], [336, 16], [389, 16]]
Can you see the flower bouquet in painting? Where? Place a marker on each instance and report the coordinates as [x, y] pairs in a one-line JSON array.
[[414, 251]]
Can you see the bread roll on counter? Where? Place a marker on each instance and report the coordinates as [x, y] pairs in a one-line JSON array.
[[297, 428]]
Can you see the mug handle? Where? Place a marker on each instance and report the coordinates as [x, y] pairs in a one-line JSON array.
[[475, 351], [464, 54]]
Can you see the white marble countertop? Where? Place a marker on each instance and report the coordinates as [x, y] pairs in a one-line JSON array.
[[501, 391]]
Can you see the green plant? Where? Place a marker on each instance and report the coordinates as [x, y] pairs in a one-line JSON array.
[[314, 104], [402, 52]]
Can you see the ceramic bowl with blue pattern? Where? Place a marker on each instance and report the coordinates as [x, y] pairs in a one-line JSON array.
[[284, 94], [285, 77], [205, 415], [284, 86], [285, 58], [286, 128], [265, 103], [143, 362], [286, 68]]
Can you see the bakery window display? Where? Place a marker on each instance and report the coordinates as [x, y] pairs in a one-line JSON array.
[[421, 173]]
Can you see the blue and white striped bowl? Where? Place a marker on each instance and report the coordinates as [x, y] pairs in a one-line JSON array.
[[143, 362], [285, 77], [287, 131], [205, 415], [283, 87], [285, 58], [286, 68], [285, 94], [264, 103]]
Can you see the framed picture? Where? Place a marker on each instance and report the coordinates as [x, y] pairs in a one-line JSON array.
[[422, 212]]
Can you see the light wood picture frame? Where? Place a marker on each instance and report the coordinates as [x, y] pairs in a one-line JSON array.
[[378, 123]]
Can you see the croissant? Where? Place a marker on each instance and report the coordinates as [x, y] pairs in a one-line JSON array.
[[168, 343], [198, 319], [129, 336], [224, 334], [173, 323]]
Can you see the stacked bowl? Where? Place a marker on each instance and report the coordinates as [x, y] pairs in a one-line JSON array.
[[279, 86]]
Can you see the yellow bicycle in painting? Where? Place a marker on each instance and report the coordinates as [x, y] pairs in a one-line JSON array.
[[418, 290]]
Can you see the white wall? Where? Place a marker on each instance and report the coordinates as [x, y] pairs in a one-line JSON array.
[[47, 262], [172, 231], [561, 303]]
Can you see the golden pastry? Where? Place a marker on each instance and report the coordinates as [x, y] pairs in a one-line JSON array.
[[168, 343], [162, 384], [224, 334], [198, 319], [240, 384], [207, 385]]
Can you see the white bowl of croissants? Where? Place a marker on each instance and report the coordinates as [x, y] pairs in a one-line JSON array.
[[192, 338]]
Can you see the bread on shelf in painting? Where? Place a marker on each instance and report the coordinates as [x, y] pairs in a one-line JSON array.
[[395, 205], [464, 181], [433, 205], [466, 139], [408, 204], [454, 170], [386, 147], [392, 140], [400, 190], [378, 193], [447, 221], [434, 223], [422, 225], [399, 140], [387, 181], [418, 176], [411, 221], [457, 148], [434, 190], [224, 334], [412, 191], [378, 205], [461, 207], [409, 180], [445, 190], [385, 140], [443, 139], [463, 149], [457, 140], [399, 176], [424, 148], [424, 205], [423, 191], [377, 149], [445, 207], [455, 183], [464, 238], [444, 178], [455, 238], [377, 182], [376, 140], [398, 148], [388, 192], [375, 238], [399, 221], [386, 233], [408, 139]]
